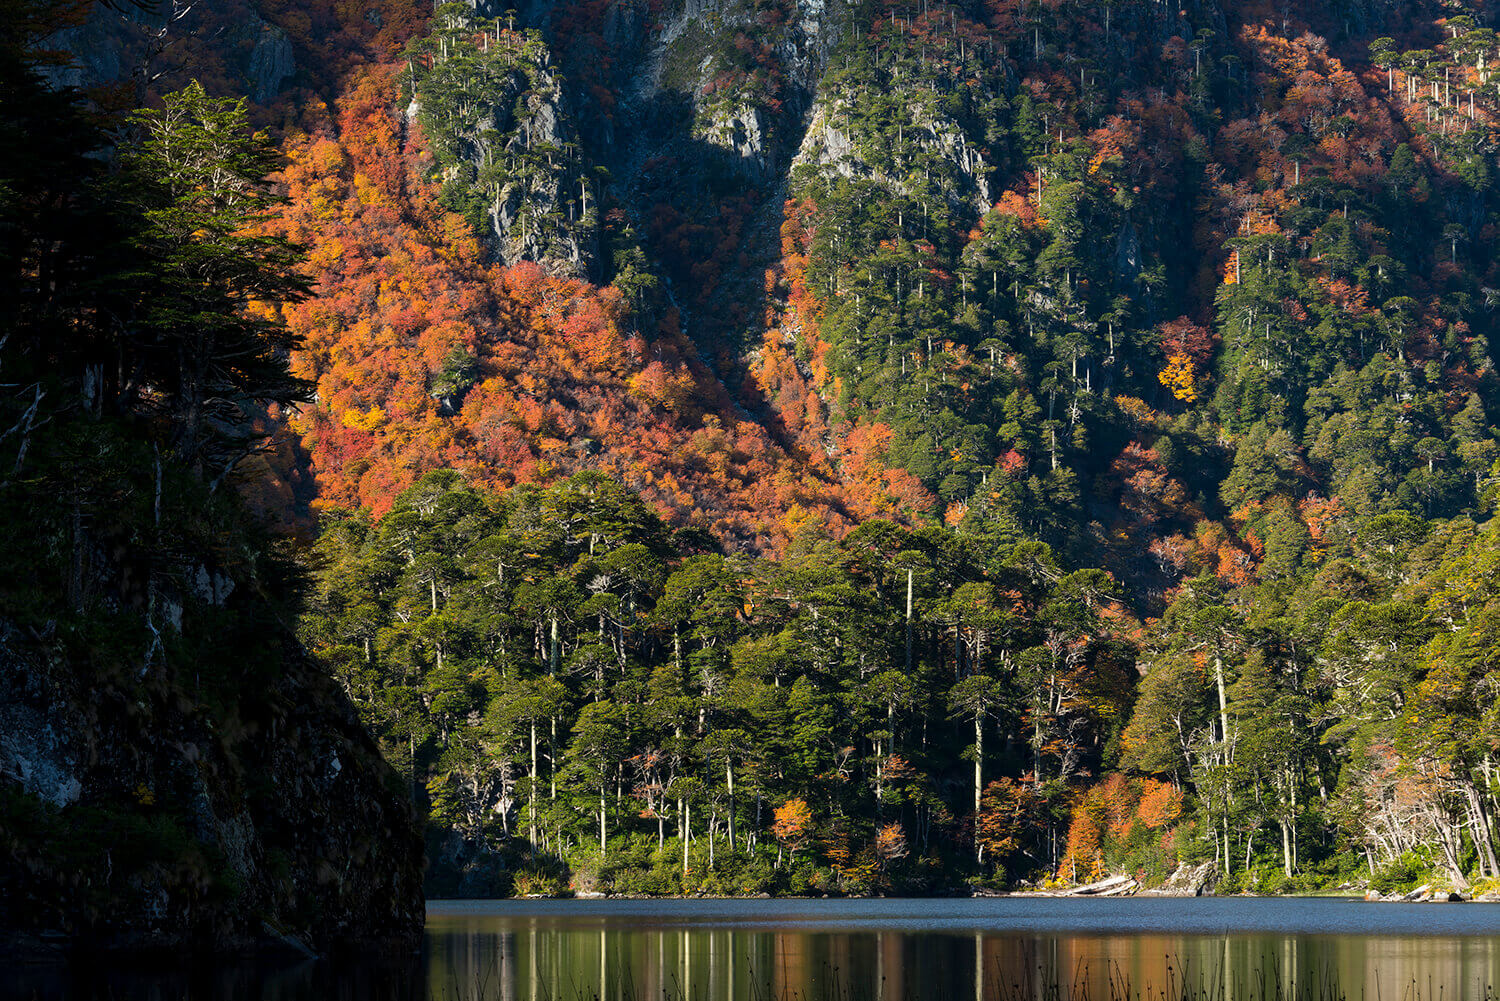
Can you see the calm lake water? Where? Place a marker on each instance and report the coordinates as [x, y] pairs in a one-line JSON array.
[[884, 950]]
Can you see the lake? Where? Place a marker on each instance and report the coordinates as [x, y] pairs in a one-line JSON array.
[[884, 950]]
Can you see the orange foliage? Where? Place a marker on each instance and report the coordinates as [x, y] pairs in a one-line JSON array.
[[1013, 204], [1161, 803], [1005, 809], [1111, 809], [1083, 860], [561, 379], [890, 844], [793, 824]]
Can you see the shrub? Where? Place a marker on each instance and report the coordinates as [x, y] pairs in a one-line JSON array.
[[535, 883], [1404, 873]]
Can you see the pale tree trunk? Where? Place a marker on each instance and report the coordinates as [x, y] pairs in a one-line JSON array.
[[553, 649], [1223, 710], [908, 622], [978, 759], [729, 781], [531, 823], [978, 779], [1483, 836]]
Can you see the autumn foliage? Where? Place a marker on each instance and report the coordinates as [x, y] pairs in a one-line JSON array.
[[793, 825], [1113, 812], [553, 374]]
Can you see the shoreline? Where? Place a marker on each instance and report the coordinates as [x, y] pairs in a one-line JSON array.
[[1148, 894]]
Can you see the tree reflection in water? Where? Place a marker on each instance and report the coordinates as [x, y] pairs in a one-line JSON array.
[[932, 950]]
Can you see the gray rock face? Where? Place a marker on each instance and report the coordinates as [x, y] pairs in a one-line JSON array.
[[99, 49], [742, 131], [271, 60], [149, 820], [747, 125], [34, 754], [508, 143], [111, 46], [1190, 881], [831, 148], [540, 215]]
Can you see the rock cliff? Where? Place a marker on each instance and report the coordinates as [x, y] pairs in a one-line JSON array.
[[497, 119], [229, 801]]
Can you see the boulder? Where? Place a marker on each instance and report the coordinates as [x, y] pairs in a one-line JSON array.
[[1190, 881]]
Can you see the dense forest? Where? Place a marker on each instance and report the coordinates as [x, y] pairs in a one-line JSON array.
[[915, 446], [879, 446]]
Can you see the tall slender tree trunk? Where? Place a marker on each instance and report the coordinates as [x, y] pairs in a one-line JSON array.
[[978, 779], [553, 649], [1223, 710], [729, 781], [535, 778], [908, 622], [1483, 835]]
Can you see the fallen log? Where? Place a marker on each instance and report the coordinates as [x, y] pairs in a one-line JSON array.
[[1119, 891], [1093, 889]]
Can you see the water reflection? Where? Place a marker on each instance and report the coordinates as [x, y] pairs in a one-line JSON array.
[[384, 979], [919, 951], [1000, 950]]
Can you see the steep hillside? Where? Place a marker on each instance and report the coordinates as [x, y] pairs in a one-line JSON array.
[[1050, 272], [426, 354], [176, 772], [981, 295], [1200, 295]]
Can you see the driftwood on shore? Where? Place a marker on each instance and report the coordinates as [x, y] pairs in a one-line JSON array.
[[1112, 886]]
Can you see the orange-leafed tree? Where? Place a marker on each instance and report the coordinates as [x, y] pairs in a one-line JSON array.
[[793, 825]]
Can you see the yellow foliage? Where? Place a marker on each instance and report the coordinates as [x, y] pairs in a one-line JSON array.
[[326, 157], [793, 824], [299, 421], [366, 192], [361, 421], [1138, 409], [1180, 377], [325, 253]]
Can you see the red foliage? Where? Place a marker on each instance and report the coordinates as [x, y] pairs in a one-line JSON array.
[[560, 384]]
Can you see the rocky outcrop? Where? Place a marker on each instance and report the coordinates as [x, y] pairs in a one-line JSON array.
[[886, 119], [750, 113], [506, 145], [1189, 881], [272, 60], [110, 45], [138, 809], [834, 146], [545, 211], [742, 130]]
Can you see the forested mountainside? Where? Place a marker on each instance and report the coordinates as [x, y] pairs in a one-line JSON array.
[[827, 446], [176, 772], [1069, 424]]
